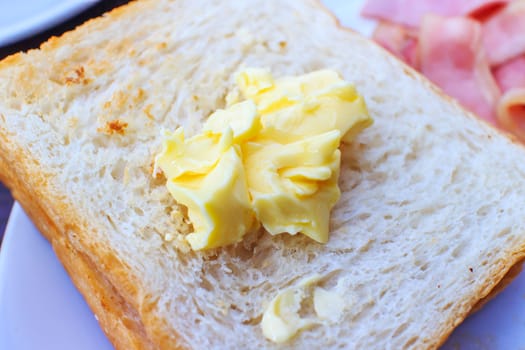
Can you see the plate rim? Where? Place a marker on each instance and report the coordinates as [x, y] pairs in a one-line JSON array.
[[40, 21]]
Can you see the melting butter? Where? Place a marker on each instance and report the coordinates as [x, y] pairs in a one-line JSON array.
[[272, 158], [281, 320]]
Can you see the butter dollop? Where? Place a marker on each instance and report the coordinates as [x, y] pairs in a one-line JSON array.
[[273, 158], [281, 320]]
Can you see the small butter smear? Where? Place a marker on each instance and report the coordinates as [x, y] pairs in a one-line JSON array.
[[271, 158], [328, 305], [281, 320]]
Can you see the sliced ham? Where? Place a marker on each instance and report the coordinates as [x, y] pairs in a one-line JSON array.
[[511, 111], [504, 33], [410, 12], [481, 9], [511, 107], [399, 40], [511, 74], [451, 55]]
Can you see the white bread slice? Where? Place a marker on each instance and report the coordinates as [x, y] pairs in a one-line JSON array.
[[429, 221]]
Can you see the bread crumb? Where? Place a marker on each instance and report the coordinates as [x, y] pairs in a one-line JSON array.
[[126, 177], [114, 126], [72, 122], [141, 94], [147, 111], [78, 78], [181, 244], [223, 307]]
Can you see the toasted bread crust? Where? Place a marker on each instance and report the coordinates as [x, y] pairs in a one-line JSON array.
[[116, 317]]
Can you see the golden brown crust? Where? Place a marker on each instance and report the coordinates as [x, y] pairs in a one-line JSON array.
[[107, 285], [513, 272], [118, 320]]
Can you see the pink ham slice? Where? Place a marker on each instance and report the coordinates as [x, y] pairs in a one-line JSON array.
[[511, 74], [480, 9], [410, 12], [504, 33], [511, 107], [398, 40], [451, 56], [511, 111]]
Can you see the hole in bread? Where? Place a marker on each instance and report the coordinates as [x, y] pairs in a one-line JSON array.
[[411, 342], [199, 310], [310, 257], [504, 232], [252, 321], [364, 216], [365, 308], [458, 250], [307, 306], [102, 172], [483, 211], [442, 250], [399, 330], [117, 173], [206, 284], [423, 265], [111, 222], [378, 99], [447, 306], [242, 252], [138, 211]]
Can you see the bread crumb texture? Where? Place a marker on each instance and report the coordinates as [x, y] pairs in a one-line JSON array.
[[427, 192]]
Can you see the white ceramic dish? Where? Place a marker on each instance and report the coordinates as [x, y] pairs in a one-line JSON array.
[[39, 306], [41, 309], [23, 18]]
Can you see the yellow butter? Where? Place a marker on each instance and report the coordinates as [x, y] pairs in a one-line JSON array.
[[281, 320], [241, 117], [288, 182], [273, 157], [292, 165], [205, 173], [328, 305]]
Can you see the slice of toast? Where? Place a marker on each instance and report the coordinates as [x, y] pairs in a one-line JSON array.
[[429, 221]]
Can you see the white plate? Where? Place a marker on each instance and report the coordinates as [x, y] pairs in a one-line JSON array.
[[40, 308], [22, 18]]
